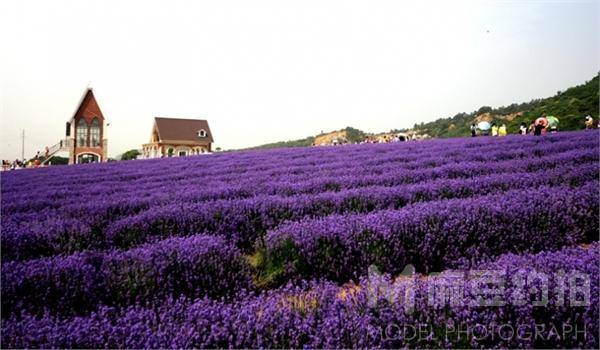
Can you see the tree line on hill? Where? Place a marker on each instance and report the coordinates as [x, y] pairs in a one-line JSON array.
[[569, 106]]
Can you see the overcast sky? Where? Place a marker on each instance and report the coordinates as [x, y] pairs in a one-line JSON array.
[[264, 71]]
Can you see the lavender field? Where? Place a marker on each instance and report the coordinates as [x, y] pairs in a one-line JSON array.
[[471, 242]]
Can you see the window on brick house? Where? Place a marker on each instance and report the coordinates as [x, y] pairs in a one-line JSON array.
[[82, 133], [95, 133]]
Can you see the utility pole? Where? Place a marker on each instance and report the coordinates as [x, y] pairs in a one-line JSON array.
[[23, 145]]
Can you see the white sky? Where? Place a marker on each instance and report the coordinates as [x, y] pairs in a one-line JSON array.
[[264, 71]]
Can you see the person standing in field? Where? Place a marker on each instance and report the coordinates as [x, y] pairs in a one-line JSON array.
[[589, 122], [494, 129], [538, 130], [473, 130], [502, 130], [523, 129]]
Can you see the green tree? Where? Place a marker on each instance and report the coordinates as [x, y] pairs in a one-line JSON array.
[[354, 135], [131, 154]]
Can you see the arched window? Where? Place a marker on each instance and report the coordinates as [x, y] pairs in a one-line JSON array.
[[95, 133], [202, 133], [82, 133]]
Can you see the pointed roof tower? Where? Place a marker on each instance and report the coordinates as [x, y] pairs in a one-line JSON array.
[[88, 107]]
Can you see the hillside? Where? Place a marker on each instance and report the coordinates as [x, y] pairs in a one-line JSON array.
[[350, 134], [569, 106]]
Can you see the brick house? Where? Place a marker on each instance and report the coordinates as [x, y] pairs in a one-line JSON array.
[[85, 134], [177, 137]]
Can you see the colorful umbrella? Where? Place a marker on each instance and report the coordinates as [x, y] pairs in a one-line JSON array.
[[483, 126], [552, 121], [541, 121]]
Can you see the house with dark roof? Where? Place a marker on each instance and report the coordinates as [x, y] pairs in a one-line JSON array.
[[178, 137]]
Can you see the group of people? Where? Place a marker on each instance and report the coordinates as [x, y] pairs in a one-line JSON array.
[[46, 153], [390, 138], [495, 130], [498, 130], [537, 127], [15, 164], [22, 164]]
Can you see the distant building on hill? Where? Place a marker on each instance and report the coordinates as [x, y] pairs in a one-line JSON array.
[[177, 137]]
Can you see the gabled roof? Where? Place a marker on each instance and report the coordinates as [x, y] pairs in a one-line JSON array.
[[179, 129], [88, 106]]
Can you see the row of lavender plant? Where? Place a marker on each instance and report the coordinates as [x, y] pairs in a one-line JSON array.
[[195, 266], [380, 312], [245, 220], [284, 170], [95, 212], [432, 236], [348, 177], [98, 209], [249, 161], [86, 281]]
